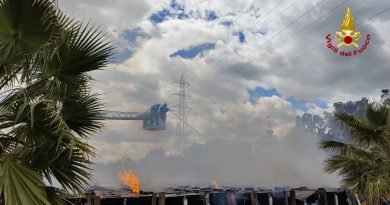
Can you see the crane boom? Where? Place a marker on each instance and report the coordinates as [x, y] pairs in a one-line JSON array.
[[153, 119], [118, 115]]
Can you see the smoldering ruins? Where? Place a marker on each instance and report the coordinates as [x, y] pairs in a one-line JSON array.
[[223, 196], [223, 173]]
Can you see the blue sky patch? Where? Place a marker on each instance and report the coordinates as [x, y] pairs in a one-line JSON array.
[[302, 105], [182, 16], [241, 36], [211, 15], [193, 51], [132, 35], [122, 56], [263, 33], [259, 92], [297, 104], [227, 23], [160, 16], [174, 10], [178, 10], [264, 92], [321, 104], [176, 6]]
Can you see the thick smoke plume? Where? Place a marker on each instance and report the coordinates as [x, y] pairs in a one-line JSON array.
[[294, 161]]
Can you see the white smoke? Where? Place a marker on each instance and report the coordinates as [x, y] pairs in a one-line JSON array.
[[295, 161]]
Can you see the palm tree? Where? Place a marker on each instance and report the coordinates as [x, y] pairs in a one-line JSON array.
[[364, 164], [47, 109]]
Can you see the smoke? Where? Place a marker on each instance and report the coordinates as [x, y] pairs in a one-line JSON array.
[[268, 162]]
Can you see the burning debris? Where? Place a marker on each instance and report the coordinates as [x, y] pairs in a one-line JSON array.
[[128, 178]]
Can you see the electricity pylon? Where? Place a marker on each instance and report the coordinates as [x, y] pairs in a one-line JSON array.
[[181, 138]]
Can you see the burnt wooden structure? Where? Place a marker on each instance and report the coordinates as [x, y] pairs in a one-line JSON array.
[[229, 197]]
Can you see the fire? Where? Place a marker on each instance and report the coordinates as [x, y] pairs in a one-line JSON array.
[[129, 178], [215, 184]]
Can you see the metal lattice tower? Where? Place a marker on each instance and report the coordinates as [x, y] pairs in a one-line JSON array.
[[181, 138]]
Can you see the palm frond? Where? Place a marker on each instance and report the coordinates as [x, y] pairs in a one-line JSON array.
[[71, 169], [364, 163], [55, 195], [25, 25], [28, 185], [334, 146], [46, 119], [80, 50], [345, 149], [81, 113], [377, 114], [361, 132]]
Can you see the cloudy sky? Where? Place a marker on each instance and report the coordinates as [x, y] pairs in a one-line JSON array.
[[245, 60]]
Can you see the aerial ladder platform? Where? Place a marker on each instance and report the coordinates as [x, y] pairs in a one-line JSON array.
[[154, 119]]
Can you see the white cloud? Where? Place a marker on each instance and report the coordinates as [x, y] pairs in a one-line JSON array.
[[283, 130], [315, 110]]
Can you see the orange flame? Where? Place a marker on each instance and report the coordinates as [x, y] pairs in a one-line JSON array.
[[129, 178], [215, 184]]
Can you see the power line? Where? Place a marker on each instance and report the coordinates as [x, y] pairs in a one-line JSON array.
[[308, 25], [288, 7], [371, 17], [194, 129], [246, 8], [293, 22], [238, 17], [320, 43], [216, 63], [283, 29], [234, 21], [264, 17], [315, 47]]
